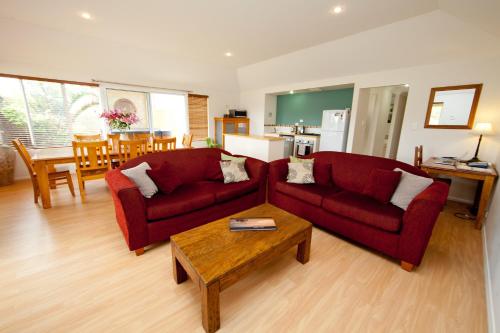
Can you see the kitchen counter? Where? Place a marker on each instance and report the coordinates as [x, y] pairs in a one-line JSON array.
[[291, 134], [256, 137], [265, 148]]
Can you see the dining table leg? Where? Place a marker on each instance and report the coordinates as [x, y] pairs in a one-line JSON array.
[[42, 176]]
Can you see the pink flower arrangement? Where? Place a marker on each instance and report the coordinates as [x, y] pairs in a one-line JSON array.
[[118, 119]]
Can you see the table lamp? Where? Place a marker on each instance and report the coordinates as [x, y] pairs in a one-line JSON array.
[[481, 129]]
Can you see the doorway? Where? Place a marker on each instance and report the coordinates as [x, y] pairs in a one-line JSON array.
[[379, 120]]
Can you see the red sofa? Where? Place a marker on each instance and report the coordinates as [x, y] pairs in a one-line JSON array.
[[197, 201], [338, 205]]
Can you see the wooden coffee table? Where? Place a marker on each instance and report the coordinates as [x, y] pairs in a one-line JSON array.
[[215, 258]]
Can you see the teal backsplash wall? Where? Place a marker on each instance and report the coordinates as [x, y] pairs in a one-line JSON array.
[[309, 106]]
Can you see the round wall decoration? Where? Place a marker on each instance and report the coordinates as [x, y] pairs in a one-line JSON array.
[[125, 105]]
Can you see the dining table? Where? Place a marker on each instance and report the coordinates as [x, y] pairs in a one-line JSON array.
[[45, 159]]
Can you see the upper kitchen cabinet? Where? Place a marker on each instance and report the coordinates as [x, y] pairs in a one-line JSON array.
[[227, 125]]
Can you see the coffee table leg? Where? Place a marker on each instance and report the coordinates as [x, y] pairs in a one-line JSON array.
[[304, 248], [210, 316], [180, 274]]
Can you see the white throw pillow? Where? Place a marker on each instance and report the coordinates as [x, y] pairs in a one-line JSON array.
[[294, 159], [300, 173], [225, 157], [409, 187], [233, 171], [138, 175]]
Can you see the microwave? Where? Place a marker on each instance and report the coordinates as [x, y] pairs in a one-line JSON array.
[[238, 113]]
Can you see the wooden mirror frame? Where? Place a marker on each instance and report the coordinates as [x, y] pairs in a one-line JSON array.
[[472, 114]]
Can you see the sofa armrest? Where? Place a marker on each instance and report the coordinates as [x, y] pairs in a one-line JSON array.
[[278, 171], [419, 220], [130, 209], [258, 170]]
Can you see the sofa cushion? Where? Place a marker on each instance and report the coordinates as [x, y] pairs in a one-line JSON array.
[[185, 199], [213, 170], [365, 210], [225, 192], [322, 173], [166, 177], [382, 184], [311, 193]]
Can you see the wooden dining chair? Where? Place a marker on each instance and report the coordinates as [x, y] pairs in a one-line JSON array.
[[87, 137], [55, 177], [164, 144], [113, 141], [128, 149], [187, 140], [92, 161]]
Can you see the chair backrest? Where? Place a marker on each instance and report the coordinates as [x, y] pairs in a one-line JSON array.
[[87, 137], [164, 144], [25, 155], [113, 140], [141, 136], [187, 139], [91, 155], [128, 149], [418, 158]]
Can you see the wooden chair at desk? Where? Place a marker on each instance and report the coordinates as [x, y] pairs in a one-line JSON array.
[[92, 161], [418, 160], [54, 176]]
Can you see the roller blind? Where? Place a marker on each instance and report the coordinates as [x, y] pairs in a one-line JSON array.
[[198, 116], [46, 113]]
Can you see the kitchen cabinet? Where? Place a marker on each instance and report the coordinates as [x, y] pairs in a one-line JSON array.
[[226, 125]]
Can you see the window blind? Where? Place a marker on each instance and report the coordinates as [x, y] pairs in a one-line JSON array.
[[46, 113], [198, 116]]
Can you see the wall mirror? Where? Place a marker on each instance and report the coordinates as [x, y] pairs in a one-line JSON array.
[[453, 107]]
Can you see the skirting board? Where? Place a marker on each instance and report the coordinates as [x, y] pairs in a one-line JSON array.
[[487, 285]]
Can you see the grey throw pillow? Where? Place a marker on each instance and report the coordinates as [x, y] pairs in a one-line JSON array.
[[300, 173], [233, 171], [409, 187], [139, 176]]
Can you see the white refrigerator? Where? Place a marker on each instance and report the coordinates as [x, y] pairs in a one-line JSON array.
[[334, 128]]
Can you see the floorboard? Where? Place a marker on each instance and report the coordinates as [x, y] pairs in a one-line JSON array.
[[67, 269]]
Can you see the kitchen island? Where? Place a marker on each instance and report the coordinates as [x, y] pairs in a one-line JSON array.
[[264, 148]]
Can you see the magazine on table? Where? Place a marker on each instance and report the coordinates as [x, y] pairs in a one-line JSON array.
[[252, 223]]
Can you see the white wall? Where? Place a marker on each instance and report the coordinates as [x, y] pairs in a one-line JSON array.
[[428, 51], [43, 52]]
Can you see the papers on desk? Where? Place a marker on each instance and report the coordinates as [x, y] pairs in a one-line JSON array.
[[445, 161], [464, 166]]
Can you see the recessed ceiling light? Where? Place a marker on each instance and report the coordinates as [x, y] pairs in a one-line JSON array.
[[228, 54], [291, 92], [86, 16], [336, 10], [407, 85]]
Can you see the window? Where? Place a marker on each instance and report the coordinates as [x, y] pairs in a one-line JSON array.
[[198, 116], [46, 113], [169, 113], [164, 112]]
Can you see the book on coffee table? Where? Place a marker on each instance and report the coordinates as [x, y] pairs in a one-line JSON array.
[[253, 223]]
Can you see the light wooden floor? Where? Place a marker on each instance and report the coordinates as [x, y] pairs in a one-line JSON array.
[[68, 269]]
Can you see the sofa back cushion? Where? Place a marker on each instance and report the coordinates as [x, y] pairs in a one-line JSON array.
[[191, 163], [352, 171]]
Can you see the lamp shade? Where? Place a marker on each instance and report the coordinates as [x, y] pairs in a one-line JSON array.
[[483, 128]]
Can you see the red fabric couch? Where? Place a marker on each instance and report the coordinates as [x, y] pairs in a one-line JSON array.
[[198, 201], [336, 204]]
